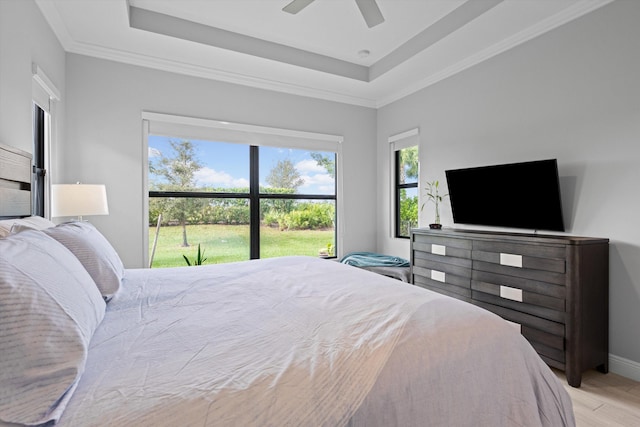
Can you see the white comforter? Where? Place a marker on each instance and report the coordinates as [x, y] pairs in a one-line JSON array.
[[303, 341]]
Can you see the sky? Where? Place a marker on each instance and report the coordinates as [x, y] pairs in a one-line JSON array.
[[226, 165]]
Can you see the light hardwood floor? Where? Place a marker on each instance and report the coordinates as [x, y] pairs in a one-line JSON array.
[[605, 400]]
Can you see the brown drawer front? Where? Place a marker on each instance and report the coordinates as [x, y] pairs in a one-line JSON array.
[[442, 241], [533, 250], [551, 353], [448, 269], [525, 273], [442, 250], [555, 265], [540, 288], [438, 275], [517, 295], [511, 293], [449, 289], [534, 335], [524, 319], [534, 310], [439, 259]]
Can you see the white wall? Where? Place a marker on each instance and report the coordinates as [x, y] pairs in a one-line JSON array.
[[572, 94], [104, 142], [25, 38]]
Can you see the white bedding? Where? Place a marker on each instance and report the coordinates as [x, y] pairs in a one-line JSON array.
[[304, 341]]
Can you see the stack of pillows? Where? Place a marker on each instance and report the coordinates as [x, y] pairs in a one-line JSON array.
[[54, 284]]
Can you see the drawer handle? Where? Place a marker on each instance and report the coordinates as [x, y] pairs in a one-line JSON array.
[[518, 326], [438, 249], [513, 294], [511, 260], [437, 275]]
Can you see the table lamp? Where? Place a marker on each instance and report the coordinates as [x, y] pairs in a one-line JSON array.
[[78, 200]]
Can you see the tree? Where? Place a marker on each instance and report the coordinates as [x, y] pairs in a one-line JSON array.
[[177, 172], [284, 178], [284, 175], [327, 162], [408, 163]]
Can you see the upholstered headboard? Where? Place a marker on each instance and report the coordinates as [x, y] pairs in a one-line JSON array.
[[15, 182]]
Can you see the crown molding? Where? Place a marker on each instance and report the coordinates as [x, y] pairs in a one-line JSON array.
[[70, 45], [214, 74]]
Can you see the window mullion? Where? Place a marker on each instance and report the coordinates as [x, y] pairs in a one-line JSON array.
[[254, 202]]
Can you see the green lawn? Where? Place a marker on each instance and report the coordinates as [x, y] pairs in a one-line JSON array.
[[227, 243]]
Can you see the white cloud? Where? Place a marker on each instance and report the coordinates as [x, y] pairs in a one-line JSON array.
[[309, 167], [208, 176], [154, 152], [321, 183]]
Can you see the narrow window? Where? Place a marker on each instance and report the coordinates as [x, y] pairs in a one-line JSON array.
[[404, 183], [40, 121], [44, 95]]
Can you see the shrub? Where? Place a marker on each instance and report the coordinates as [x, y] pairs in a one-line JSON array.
[[310, 216]]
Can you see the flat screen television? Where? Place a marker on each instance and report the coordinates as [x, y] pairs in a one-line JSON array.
[[516, 195]]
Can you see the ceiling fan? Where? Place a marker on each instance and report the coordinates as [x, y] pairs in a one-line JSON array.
[[369, 9]]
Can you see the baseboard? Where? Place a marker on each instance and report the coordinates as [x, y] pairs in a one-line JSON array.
[[625, 367]]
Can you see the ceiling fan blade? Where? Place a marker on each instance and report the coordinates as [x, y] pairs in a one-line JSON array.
[[370, 12], [296, 6]]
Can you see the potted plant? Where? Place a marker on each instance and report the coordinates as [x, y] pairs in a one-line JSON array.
[[433, 195]]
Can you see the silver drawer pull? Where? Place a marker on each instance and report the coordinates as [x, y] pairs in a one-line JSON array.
[[514, 294], [511, 260], [437, 275], [438, 249], [518, 326]]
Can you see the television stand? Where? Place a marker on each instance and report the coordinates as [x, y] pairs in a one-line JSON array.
[[554, 289]]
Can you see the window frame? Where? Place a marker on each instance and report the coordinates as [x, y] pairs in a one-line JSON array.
[[254, 196], [397, 143], [206, 129], [39, 171], [45, 96]]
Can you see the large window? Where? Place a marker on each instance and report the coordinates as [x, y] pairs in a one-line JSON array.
[[238, 201], [404, 149]]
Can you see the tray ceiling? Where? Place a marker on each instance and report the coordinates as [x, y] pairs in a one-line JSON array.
[[325, 51]]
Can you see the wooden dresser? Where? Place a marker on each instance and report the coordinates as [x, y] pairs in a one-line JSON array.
[[554, 289]]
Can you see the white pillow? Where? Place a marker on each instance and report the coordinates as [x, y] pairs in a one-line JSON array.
[[49, 310], [35, 222], [94, 252]]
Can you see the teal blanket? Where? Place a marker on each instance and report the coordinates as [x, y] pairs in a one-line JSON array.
[[370, 259]]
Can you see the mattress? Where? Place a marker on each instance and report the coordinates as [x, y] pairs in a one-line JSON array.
[[305, 341]]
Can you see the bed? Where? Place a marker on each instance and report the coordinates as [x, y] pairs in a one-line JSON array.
[[273, 342]]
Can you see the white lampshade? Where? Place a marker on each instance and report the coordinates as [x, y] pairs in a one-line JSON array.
[[78, 200]]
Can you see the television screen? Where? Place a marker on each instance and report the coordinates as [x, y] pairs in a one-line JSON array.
[[518, 195]]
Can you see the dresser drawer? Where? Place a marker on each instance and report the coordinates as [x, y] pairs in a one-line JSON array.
[[452, 290], [526, 320], [546, 344], [444, 246], [445, 269], [518, 296], [540, 288], [525, 273], [532, 250], [440, 259], [547, 353], [517, 260], [534, 310]]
